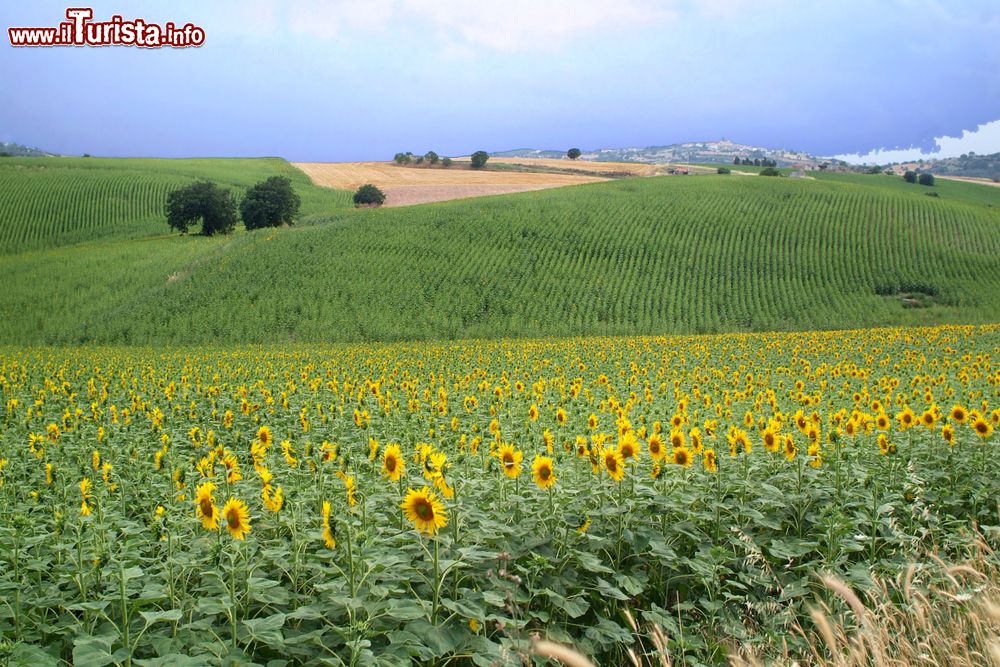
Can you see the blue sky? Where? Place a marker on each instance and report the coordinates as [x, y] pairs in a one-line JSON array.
[[340, 80]]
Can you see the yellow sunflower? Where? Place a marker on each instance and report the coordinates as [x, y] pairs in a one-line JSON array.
[[510, 460], [682, 456], [328, 537], [205, 507], [655, 446], [614, 464], [543, 472], [393, 465], [628, 446], [424, 510], [709, 461], [237, 518], [983, 428], [264, 436]]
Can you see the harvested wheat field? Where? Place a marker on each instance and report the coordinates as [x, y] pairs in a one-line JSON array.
[[629, 168], [418, 185]]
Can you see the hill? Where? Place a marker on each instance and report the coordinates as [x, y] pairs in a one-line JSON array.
[[970, 165], [651, 255], [723, 151], [9, 149], [56, 201]]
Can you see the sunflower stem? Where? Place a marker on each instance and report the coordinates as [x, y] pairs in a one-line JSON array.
[[232, 597], [437, 583]]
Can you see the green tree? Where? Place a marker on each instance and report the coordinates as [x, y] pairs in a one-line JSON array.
[[479, 159], [204, 201], [925, 179], [769, 171], [910, 176], [369, 195], [573, 153], [403, 158], [446, 162], [722, 170], [431, 157], [270, 203]]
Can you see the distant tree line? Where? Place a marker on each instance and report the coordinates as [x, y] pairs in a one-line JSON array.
[[270, 203], [430, 157], [477, 160], [756, 162], [923, 178]]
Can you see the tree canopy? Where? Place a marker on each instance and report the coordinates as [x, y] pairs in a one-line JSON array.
[[369, 195], [479, 159], [204, 201], [270, 203]]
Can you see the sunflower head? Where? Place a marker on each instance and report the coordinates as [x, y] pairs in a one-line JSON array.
[[393, 465], [205, 508], [510, 460], [614, 464], [543, 472], [682, 456], [423, 509], [237, 518]]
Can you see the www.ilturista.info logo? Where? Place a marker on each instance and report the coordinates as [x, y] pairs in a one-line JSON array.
[[80, 30]]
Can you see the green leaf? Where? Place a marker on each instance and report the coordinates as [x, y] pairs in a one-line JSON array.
[[266, 630], [89, 651], [171, 616]]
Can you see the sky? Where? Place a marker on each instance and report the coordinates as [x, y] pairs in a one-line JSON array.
[[339, 80]]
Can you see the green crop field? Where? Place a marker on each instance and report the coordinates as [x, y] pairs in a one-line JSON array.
[[654, 255], [57, 201]]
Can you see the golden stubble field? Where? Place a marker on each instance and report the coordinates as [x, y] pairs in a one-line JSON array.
[[418, 185]]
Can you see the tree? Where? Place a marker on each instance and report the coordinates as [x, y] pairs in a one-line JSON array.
[[573, 153], [910, 176], [769, 171], [270, 203], [479, 159], [214, 206], [431, 157], [722, 170], [446, 162], [403, 158], [736, 160], [926, 179], [369, 195]]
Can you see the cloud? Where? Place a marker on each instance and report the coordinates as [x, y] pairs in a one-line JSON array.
[[984, 139]]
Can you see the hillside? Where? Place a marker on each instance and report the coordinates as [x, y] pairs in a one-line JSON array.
[[665, 254], [971, 165], [10, 149], [723, 151], [62, 200]]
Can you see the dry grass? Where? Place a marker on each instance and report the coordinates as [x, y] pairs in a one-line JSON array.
[[632, 168], [932, 615], [415, 185]]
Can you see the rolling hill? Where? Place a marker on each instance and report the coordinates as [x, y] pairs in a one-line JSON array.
[[62, 200], [651, 255]]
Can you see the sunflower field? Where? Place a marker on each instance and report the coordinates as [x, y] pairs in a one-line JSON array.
[[443, 503]]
